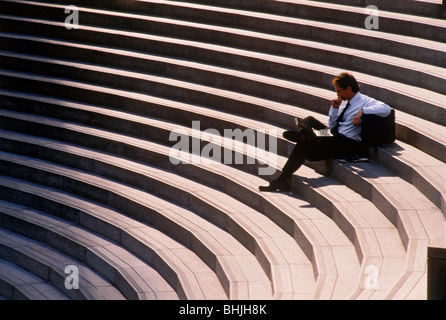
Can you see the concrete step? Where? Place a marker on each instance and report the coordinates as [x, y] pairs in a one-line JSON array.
[[417, 9], [370, 40], [65, 113], [275, 80], [50, 265], [134, 278], [428, 137], [409, 231], [183, 270], [325, 54], [273, 210], [19, 284], [226, 259], [210, 203], [336, 207], [368, 234], [426, 173]]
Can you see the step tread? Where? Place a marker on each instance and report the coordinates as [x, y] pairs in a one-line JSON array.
[[428, 95], [26, 284], [301, 42], [168, 249], [222, 244], [430, 70], [91, 285], [304, 22], [379, 223], [239, 212], [431, 130], [138, 274]]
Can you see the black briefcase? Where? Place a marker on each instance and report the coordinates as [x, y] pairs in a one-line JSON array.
[[376, 130]]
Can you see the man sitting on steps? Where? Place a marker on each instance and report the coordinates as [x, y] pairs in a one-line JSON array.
[[345, 126]]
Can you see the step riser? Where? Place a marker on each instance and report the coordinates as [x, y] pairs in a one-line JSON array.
[[88, 221], [120, 174], [166, 164], [226, 59], [295, 10], [403, 133], [166, 28], [75, 250], [140, 211], [290, 8], [252, 199], [181, 50]]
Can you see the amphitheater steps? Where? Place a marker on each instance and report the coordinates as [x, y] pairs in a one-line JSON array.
[[429, 137], [242, 194], [395, 98], [172, 254], [372, 247], [229, 68], [242, 218], [176, 265], [414, 8], [131, 275], [49, 264], [18, 284], [409, 230]]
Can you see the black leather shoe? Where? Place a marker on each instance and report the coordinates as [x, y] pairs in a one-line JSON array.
[[293, 136], [302, 124], [277, 186]]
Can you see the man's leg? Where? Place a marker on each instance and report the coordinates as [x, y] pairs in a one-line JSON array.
[[315, 123], [317, 149], [294, 162], [304, 132]]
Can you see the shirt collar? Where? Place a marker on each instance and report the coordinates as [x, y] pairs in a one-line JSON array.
[[355, 98]]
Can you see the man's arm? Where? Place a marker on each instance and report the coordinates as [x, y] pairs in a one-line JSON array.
[[333, 112], [375, 107]]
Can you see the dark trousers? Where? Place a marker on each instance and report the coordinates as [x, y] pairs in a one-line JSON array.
[[310, 147]]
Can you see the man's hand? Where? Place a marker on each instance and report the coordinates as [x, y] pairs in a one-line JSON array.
[[357, 118], [336, 102]]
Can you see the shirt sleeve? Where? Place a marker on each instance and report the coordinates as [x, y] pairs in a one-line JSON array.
[[332, 116], [376, 107]]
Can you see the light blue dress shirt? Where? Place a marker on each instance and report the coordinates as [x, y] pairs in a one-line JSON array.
[[358, 102]]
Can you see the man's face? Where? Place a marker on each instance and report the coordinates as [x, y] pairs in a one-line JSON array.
[[344, 94]]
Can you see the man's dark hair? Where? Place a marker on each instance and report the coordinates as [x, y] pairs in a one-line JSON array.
[[345, 80]]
